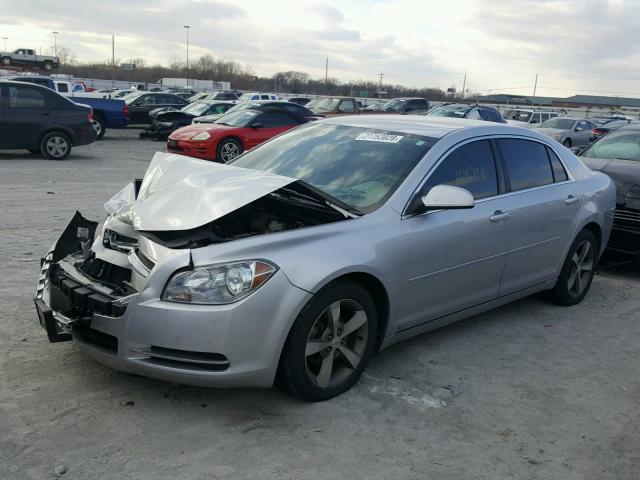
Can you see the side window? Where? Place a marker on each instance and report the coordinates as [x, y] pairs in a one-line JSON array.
[[559, 173], [471, 166], [544, 117], [264, 97], [63, 87], [582, 125], [148, 100], [271, 120], [20, 97], [535, 118], [526, 162], [347, 107]]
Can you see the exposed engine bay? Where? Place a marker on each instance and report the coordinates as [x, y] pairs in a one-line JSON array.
[[289, 208]]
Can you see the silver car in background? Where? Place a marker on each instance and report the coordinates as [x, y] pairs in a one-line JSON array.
[[310, 252], [571, 132]]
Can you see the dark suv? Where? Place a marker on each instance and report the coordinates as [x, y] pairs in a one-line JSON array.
[[42, 121]]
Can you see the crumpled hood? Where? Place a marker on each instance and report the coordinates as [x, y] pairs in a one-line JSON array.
[[182, 193]]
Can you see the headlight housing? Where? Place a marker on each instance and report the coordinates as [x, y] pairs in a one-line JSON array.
[[201, 136], [218, 284], [556, 136]]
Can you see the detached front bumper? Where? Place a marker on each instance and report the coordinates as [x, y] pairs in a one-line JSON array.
[[234, 345]]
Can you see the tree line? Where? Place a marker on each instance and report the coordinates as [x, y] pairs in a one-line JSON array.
[[241, 77]]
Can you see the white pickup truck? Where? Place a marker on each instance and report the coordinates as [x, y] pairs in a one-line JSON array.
[[25, 57]]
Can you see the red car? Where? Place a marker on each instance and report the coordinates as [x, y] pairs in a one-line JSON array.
[[232, 134]]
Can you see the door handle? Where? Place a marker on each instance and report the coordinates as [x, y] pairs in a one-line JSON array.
[[499, 216], [571, 200]]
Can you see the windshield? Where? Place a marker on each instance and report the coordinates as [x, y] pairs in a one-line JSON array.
[[196, 108], [394, 104], [518, 115], [456, 111], [621, 145], [129, 99], [360, 167], [323, 104], [238, 119], [559, 123]]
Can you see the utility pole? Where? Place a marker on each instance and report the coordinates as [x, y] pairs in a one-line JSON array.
[[464, 85], [326, 76], [187, 27], [55, 44], [380, 87], [113, 61], [535, 86]]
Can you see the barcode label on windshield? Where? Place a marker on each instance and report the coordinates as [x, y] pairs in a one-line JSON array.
[[379, 137]]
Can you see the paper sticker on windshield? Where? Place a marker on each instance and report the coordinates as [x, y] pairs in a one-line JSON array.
[[379, 137]]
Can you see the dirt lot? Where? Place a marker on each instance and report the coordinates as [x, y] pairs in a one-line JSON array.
[[528, 391]]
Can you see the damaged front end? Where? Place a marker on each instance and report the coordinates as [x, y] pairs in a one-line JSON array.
[[151, 228], [74, 284]]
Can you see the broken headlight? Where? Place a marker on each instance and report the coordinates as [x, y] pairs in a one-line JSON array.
[[218, 284]]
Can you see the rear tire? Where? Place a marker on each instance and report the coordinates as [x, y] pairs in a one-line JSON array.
[[577, 271], [55, 146], [6, 61], [48, 66], [228, 149], [99, 126], [330, 343]]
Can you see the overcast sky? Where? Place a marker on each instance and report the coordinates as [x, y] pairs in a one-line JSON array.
[[576, 46]]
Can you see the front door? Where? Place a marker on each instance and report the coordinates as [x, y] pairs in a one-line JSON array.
[[26, 113], [272, 124], [543, 208], [454, 258]]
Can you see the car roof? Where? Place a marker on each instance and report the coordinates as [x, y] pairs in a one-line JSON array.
[[23, 83], [434, 127]]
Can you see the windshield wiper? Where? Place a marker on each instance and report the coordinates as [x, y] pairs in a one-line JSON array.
[[293, 194], [323, 197]]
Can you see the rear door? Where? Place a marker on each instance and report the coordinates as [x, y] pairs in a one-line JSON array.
[[582, 132], [543, 208], [27, 112], [456, 257]]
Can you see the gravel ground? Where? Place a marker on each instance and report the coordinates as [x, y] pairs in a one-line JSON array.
[[527, 391]]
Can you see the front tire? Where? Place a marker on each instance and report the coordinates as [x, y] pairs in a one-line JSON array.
[[330, 343], [48, 66], [567, 142], [6, 61], [228, 149], [55, 146], [577, 271]]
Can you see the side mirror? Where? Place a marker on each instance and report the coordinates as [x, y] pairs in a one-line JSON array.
[[257, 125], [578, 129], [442, 197]]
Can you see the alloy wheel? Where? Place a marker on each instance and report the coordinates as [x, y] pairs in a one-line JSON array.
[[57, 147], [582, 263], [97, 126], [336, 343], [229, 151]]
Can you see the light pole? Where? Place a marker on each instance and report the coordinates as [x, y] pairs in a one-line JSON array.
[[55, 44], [5, 42], [187, 28]]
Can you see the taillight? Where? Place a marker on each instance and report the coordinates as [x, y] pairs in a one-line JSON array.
[[125, 110], [90, 116], [599, 131]]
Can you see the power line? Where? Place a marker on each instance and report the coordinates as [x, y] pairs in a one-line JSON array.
[[587, 90]]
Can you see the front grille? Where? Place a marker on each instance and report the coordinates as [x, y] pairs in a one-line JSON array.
[[184, 359], [625, 236], [93, 337], [59, 302], [146, 261], [627, 219]]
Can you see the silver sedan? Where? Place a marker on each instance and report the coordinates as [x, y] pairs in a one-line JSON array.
[[571, 132], [323, 245]]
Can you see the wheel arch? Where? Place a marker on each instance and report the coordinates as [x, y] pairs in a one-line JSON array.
[[379, 295], [68, 132]]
